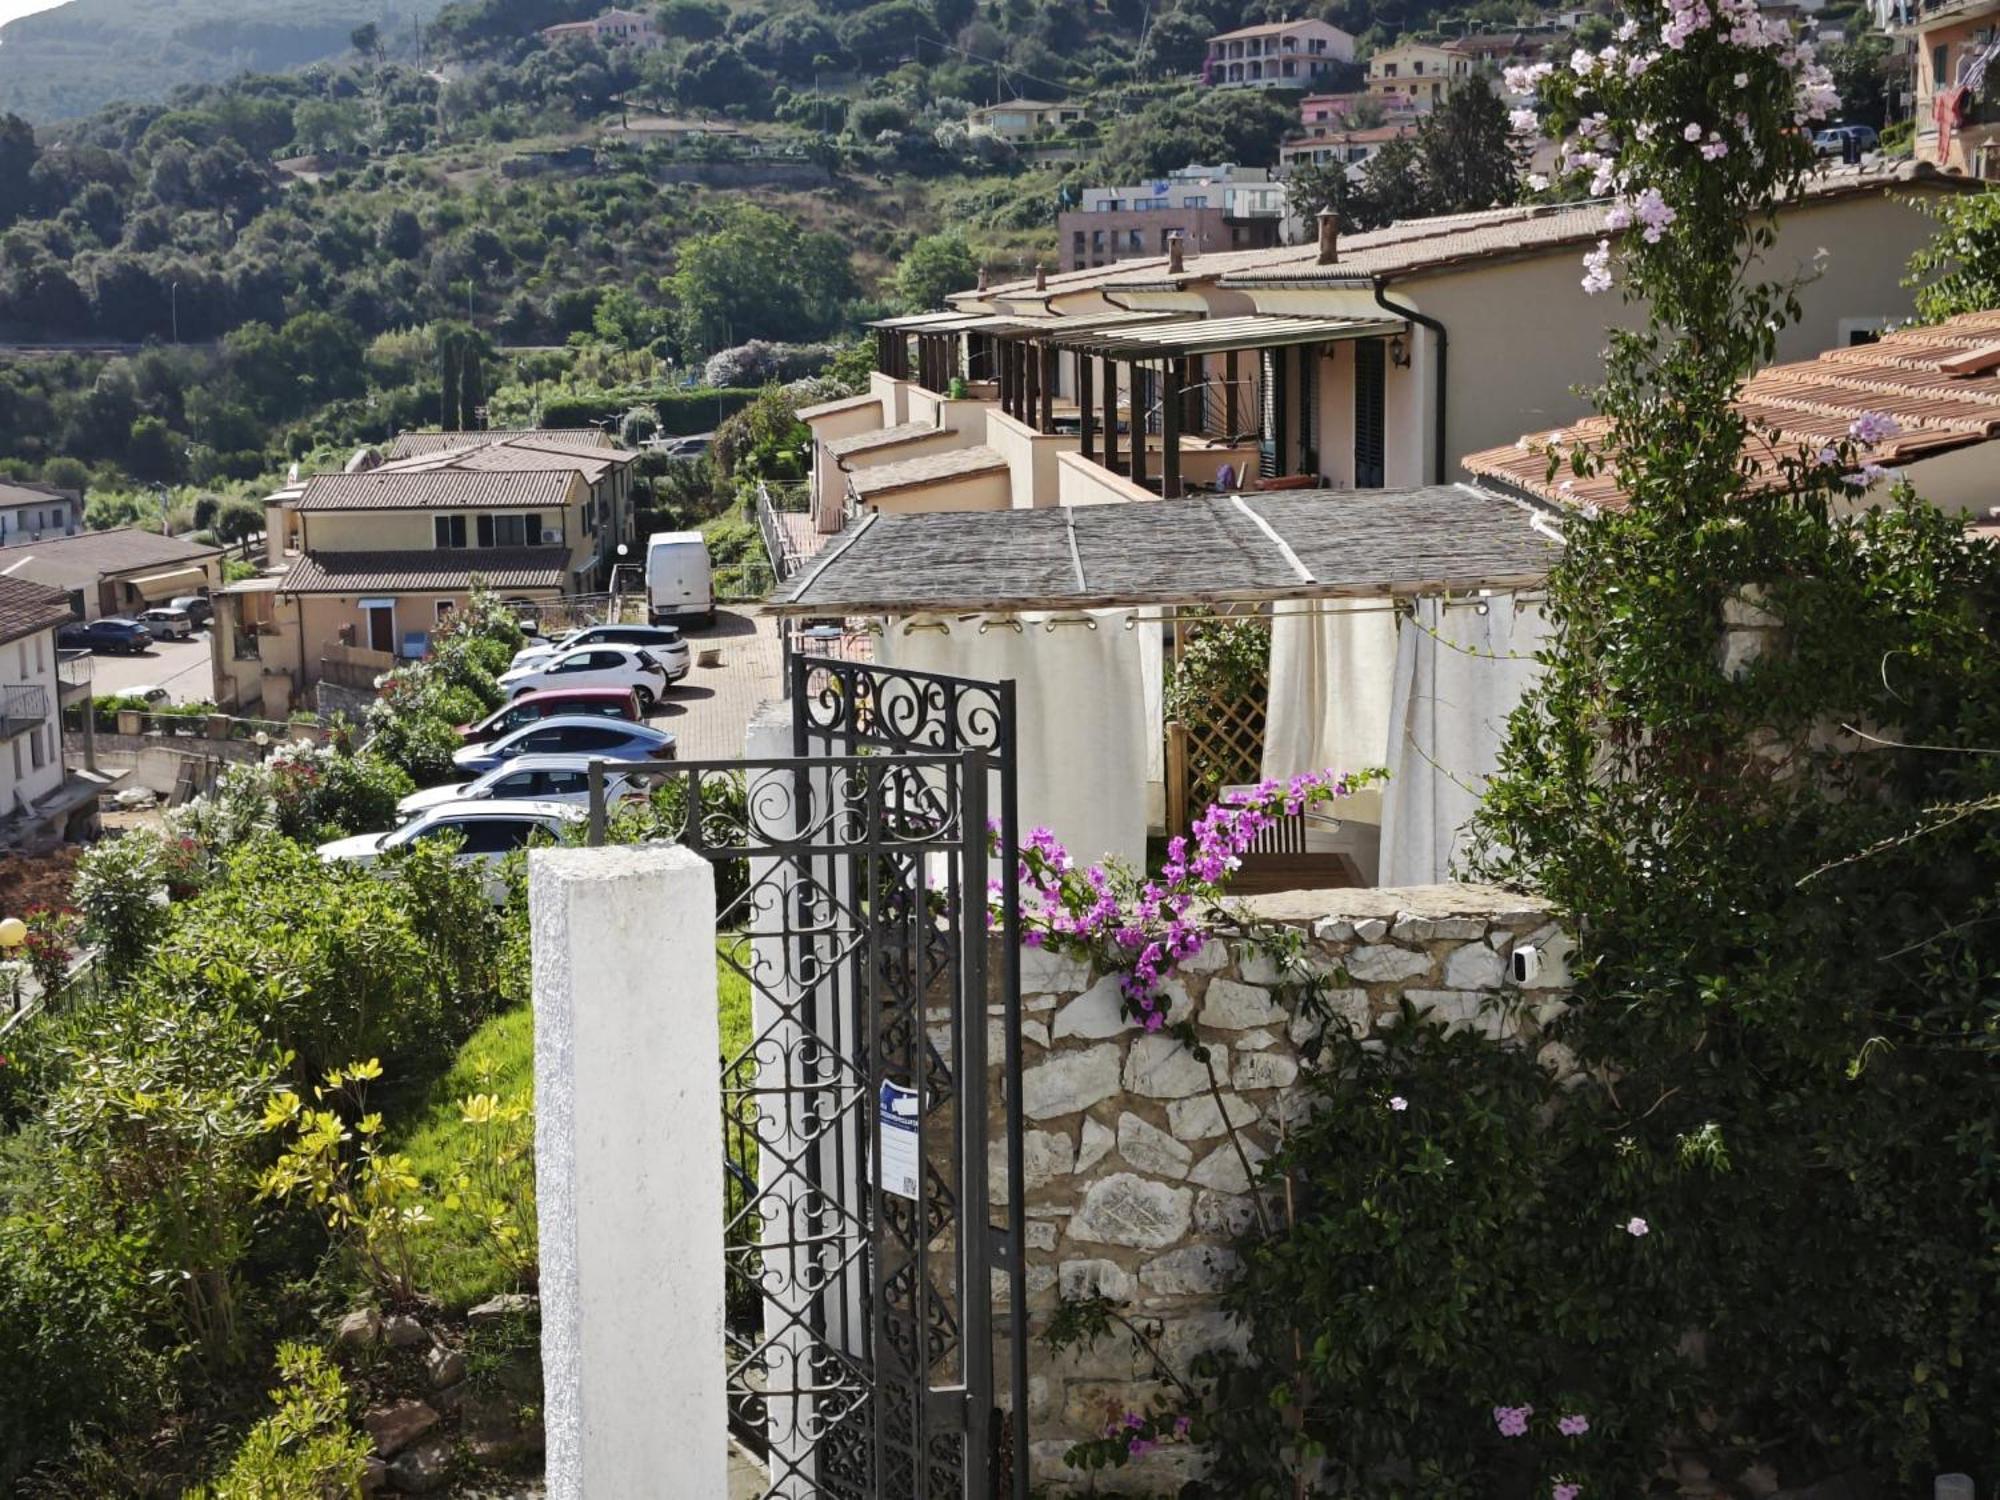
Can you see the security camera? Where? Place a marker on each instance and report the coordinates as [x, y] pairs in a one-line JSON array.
[[1526, 964]]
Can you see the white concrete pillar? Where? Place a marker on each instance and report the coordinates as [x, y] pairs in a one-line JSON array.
[[628, 1158]]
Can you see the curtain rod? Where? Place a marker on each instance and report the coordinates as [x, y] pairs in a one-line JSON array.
[[1004, 620]]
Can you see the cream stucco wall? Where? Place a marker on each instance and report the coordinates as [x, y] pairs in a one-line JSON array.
[[415, 530], [829, 490], [1964, 481], [31, 662], [1082, 482], [891, 392], [1031, 458], [989, 491]]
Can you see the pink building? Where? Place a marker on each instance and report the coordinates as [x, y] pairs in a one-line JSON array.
[[1277, 55]]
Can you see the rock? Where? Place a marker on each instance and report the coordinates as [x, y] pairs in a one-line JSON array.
[[1255, 1041], [1045, 1156], [1265, 1070], [1223, 1214], [1069, 1081], [1191, 1271], [1097, 1141], [1160, 1067], [1200, 1118], [1383, 964], [1370, 930], [422, 1469], [505, 1445], [404, 1332], [1557, 1059], [1125, 1209], [1222, 1168], [446, 1366], [1411, 928], [1097, 1013], [1038, 1003], [1044, 970], [1459, 1009], [359, 1328], [374, 1476], [1033, 1031], [1334, 930], [506, 1305], [1041, 1235], [1473, 967], [395, 1427], [1151, 1149], [1200, 1333], [1209, 959], [1096, 1278], [1230, 1006], [1349, 1008]]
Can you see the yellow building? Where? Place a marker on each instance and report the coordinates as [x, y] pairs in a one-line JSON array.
[[1417, 75], [1957, 86]]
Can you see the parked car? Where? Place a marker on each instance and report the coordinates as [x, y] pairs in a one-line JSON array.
[[112, 633], [661, 642], [1833, 140], [600, 739], [167, 623], [152, 695], [532, 778], [680, 580], [489, 830], [197, 606], [592, 666], [609, 703]]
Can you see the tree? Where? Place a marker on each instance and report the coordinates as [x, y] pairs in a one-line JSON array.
[[1860, 68], [153, 453], [1236, 125], [1959, 271], [1469, 158], [366, 39], [934, 266], [1175, 44], [18, 155], [694, 20], [760, 275], [882, 35], [1392, 186], [1314, 187], [327, 127]]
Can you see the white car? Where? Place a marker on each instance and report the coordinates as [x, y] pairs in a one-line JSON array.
[[591, 666], [531, 778], [490, 829], [167, 624], [661, 642]]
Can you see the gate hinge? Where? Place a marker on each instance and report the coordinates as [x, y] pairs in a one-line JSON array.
[[946, 1408]]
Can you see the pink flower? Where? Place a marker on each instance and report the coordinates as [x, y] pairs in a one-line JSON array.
[[1574, 1425], [1637, 1227], [1692, 132], [1512, 1420], [1398, 1103], [1566, 1492], [1872, 427]]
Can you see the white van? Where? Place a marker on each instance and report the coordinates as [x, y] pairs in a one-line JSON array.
[[679, 581]]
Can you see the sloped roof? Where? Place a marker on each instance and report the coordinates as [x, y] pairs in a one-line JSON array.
[[926, 468], [885, 437], [1941, 383], [28, 607], [409, 444], [1273, 28], [431, 571], [839, 404], [1296, 544], [75, 562], [390, 488]]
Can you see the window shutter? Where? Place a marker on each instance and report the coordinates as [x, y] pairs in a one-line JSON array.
[[485, 531], [1369, 438]]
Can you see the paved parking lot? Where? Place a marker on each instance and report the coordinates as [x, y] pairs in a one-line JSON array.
[[181, 667], [710, 708]]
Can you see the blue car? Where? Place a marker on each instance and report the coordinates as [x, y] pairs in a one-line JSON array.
[[112, 633], [570, 734]]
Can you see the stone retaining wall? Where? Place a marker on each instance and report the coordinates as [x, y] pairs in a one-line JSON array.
[[1134, 1187]]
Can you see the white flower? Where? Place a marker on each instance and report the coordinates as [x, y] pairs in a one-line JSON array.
[[1692, 132], [1741, 80], [1537, 182], [1523, 121], [1637, 1227], [1398, 1103]]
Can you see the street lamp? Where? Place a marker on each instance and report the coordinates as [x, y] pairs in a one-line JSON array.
[[13, 933]]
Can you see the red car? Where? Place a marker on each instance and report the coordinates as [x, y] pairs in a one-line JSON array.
[[611, 703]]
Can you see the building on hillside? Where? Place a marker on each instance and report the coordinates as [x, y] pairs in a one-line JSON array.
[[1360, 361], [363, 565], [1942, 381], [614, 28], [1348, 148], [1417, 76], [1277, 55], [1018, 121], [39, 798], [1957, 84], [30, 512], [116, 572], [1211, 208], [1495, 50], [1329, 111], [422, 444]]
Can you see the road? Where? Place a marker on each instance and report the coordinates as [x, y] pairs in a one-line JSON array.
[[709, 709], [181, 667]]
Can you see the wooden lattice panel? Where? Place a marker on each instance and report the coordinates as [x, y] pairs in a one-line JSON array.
[[1217, 744]]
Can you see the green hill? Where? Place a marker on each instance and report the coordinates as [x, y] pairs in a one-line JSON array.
[[64, 63]]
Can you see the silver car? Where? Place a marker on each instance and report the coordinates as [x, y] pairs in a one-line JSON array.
[[165, 623], [532, 778]]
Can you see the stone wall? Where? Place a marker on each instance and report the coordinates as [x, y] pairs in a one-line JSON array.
[[1134, 1186]]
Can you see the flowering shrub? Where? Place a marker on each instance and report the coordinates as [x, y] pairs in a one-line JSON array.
[[1145, 928]]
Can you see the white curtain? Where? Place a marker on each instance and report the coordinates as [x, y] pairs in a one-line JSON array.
[[1460, 671], [1332, 673], [1087, 705]]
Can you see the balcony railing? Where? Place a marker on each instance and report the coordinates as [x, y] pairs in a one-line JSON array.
[[75, 669], [23, 706]]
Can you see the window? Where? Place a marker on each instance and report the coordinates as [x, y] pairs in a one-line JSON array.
[[493, 835], [17, 760], [1417, 67], [510, 531], [1370, 440], [1388, 70], [1076, 244], [1134, 241], [444, 609], [36, 752], [448, 531]]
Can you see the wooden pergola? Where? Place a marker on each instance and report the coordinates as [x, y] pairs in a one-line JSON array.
[[928, 348]]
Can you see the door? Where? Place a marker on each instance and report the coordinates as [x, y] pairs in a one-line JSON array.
[[381, 617]]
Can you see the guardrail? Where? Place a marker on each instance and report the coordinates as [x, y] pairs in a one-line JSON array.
[[785, 557], [76, 667], [23, 706]]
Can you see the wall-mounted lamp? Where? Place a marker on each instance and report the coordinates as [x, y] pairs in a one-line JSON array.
[[1399, 352]]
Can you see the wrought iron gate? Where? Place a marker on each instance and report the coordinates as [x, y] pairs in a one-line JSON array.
[[852, 893]]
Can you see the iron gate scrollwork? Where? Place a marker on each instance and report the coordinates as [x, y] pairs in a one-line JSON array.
[[852, 892]]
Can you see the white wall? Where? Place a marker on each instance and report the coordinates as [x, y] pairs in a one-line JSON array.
[[31, 661], [628, 1161]]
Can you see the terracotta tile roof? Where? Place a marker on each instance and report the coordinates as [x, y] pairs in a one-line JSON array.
[[1812, 403], [884, 437], [439, 570], [431, 489], [525, 453], [28, 607], [75, 562], [928, 468], [410, 444], [1270, 28]]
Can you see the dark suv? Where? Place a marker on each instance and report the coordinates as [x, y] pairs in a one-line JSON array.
[[112, 633]]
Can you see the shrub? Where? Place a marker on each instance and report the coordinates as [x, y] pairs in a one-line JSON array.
[[307, 1446], [121, 889]]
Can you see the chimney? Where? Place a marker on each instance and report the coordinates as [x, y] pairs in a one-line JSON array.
[[1041, 277], [982, 278], [1329, 237], [1174, 253]]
